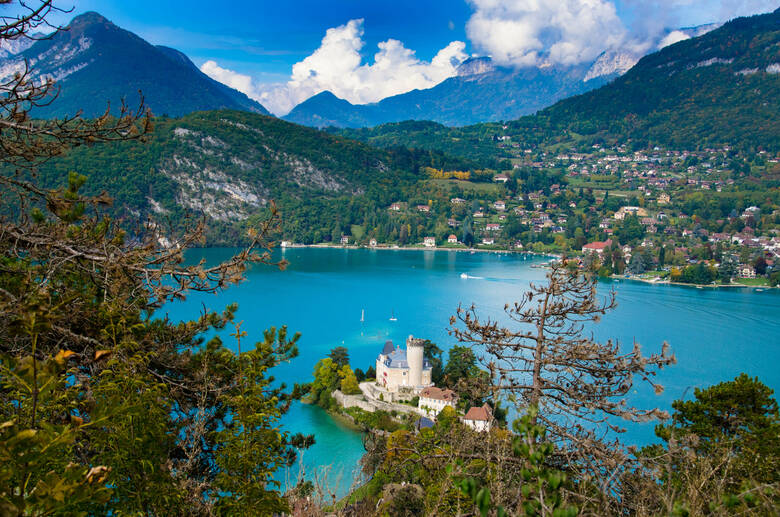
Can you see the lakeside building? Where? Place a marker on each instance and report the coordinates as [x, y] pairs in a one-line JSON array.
[[433, 400], [478, 418], [597, 247], [402, 373], [429, 242]]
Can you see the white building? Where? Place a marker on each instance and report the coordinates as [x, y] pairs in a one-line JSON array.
[[433, 400], [452, 239], [479, 418], [429, 242], [398, 368]]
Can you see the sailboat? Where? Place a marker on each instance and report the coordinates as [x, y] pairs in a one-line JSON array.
[[362, 315], [392, 316]]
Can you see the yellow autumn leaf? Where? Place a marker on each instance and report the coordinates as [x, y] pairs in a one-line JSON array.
[[102, 353]]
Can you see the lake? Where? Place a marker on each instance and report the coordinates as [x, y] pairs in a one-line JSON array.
[[715, 333]]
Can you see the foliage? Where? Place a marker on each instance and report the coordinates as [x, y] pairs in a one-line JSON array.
[[106, 407], [349, 382], [546, 361], [340, 356]]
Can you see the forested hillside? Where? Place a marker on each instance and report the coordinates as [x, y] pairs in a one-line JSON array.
[[227, 165], [719, 89]]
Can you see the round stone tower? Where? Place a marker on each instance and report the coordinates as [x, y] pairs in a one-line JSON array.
[[414, 356]]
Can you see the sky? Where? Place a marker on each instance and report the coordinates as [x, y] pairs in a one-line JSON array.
[[282, 52]]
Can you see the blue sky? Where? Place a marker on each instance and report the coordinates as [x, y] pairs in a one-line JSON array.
[[255, 45]]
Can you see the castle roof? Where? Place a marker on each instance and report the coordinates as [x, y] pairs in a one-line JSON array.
[[388, 349]]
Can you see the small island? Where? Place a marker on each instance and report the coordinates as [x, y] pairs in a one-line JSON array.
[[399, 390]]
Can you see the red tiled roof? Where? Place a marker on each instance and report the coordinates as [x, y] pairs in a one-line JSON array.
[[478, 413], [598, 245], [438, 394]]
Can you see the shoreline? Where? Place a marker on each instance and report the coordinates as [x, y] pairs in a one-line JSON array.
[[696, 286], [414, 248]]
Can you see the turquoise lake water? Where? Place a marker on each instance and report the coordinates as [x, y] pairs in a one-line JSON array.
[[715, 334]]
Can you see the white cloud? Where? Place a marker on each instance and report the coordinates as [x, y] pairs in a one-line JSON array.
[[672, 38], [337, 66], [240, 82], [534, 32]]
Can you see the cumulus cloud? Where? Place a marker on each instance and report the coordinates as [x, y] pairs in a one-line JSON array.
[[535, 32], [240, 82], [338, 67], [566, 32]]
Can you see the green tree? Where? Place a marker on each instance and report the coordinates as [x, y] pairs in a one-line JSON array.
[[326, 380], [461, 365], [340, 356], [432, 354], [349, 382]]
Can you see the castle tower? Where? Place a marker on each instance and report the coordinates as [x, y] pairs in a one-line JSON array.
[[414, 357]]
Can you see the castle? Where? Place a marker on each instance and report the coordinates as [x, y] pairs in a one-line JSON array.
[[399, 370]]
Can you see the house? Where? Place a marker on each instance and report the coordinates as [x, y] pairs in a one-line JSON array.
[[429, 242], [493, 227], [499, 205], [286, 244], [433, 400], [452, 222], [372, 243], [344, 240], [488, 241], [746, 271], [479, 214], [457, 201], [452, 239], [398, 368], [395, 207], [478, 418], [423, 208], [503, 178], [597, 247]]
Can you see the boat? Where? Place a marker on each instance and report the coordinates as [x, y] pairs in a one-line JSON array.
[[464, 275], [392, 316], [362, 315]]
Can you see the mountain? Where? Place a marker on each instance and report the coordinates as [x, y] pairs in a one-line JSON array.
[[227, 165], [481, 91], [721, 88], [718, 89], [95, 62]]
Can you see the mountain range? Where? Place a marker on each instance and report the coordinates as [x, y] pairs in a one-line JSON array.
[[480, 92], [95, 62], [718, 89]]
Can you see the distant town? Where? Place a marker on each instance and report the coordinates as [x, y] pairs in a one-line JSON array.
[[673, 216]]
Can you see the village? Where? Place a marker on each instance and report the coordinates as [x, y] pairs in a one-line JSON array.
[[640, 214]]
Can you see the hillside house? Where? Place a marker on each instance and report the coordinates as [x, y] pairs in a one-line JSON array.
[[597, 247], [452, 239], [433, 400], [478, 418], [429, 242]]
